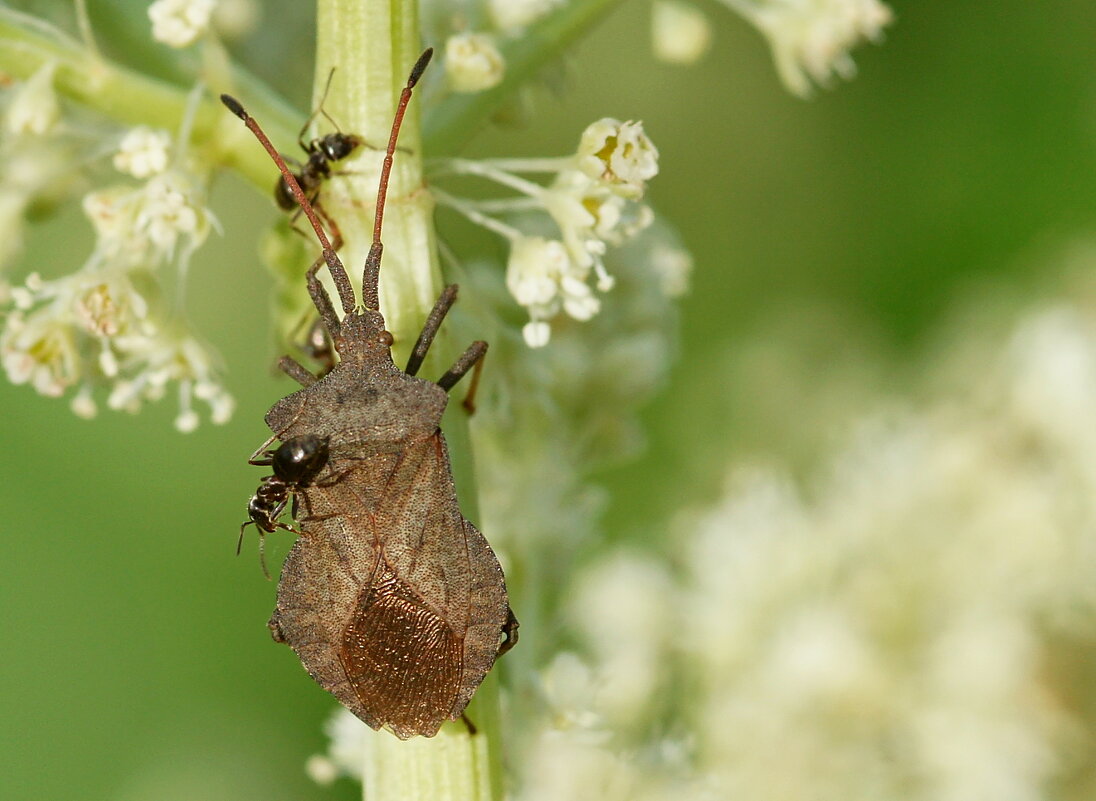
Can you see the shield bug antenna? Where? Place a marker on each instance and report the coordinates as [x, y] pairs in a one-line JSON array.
[[393, 600]]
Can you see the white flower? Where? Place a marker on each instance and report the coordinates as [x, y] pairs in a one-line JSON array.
[[40, 350], [167, 212], [110, 212], [179, 23], [512, 16], [534, 270], [571, 690], [536, 333], [143, 152], [150, 362], [618, 153], [811, 39], [34, 109], [680, 32], [473, 62], [541, 276], [590, 216]]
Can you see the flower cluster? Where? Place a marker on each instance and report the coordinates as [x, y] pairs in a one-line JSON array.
[[594, 202], [105, 325]]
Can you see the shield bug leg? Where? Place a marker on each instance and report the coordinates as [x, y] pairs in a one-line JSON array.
[[321, 300], [472, 730], [509, 631], [292, 368], [430, 328], [469, 359]]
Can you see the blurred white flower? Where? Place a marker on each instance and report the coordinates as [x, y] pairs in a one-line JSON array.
[[40, 349], [95, 327], [166, 212], [234, 19], [34, 110], [180, 23], [621, 608], [513, 16], [143, 152], [811, 39], [673, 265], [536, 333], [680, 32], [473, 62]]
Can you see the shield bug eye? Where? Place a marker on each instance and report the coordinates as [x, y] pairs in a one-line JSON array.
[[385, 339], [299, 459]]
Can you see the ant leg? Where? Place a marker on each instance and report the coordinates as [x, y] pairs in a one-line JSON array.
[[240, 541], [292, 368], [263, 452], [469, 359], [430, 328]]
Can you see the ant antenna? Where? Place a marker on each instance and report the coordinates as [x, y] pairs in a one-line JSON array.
[[371, 277], [338, 272], [319, 109]]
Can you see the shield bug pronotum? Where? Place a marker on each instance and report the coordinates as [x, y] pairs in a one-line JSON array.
[[394, 602]]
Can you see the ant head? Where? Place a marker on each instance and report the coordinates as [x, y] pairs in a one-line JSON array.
[[363, 339], [337, 146]]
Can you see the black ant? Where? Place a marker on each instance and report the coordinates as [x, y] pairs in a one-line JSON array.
[[323, 151], [296, 462]]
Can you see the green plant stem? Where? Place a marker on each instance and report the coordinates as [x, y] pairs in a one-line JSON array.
[[132, 98], [459, 116], [373, 44]]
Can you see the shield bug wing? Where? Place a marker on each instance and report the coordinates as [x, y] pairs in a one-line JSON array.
[[393, 601]]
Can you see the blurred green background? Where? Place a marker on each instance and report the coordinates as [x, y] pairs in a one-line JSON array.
[[136, 659]]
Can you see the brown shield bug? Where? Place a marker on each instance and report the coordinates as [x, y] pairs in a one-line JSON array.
[[394, 602]]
